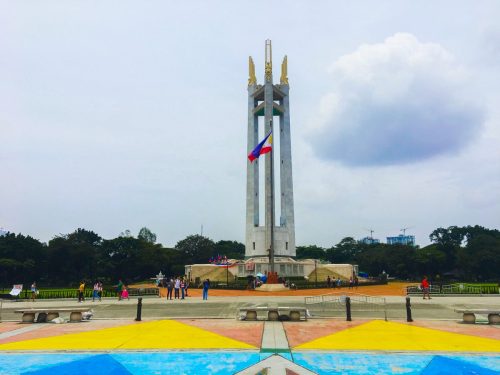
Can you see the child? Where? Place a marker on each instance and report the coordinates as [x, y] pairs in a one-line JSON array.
[[125, 293]]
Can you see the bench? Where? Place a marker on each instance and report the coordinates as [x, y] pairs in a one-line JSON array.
[[469, 316], [45, 315], [273, 313]]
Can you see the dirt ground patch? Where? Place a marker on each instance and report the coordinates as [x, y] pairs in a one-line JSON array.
[[391, 289]]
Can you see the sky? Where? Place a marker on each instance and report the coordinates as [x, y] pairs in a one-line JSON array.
[[116, 115]]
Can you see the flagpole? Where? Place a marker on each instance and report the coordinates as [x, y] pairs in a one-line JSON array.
[[271, 249]]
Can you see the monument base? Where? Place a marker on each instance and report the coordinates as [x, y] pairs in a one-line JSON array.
[[272, 278], [272, 288]]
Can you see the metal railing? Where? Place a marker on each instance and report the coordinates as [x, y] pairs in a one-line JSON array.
[[143, 292], [360, 302], [337, 302], [449, 289], [416, 289], [460, 289]]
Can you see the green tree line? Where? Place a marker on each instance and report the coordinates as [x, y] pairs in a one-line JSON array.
[[470, 253], [84, 255]]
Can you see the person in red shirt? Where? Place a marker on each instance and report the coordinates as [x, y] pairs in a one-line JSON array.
[[426, 287]]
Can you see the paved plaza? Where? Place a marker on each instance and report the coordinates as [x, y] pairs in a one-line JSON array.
[[193, 336]]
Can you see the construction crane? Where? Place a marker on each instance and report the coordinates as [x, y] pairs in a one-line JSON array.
[[371, 232], [404, 230]]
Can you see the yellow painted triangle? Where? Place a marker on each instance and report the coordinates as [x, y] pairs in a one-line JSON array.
[[380, 335], [163, 334]]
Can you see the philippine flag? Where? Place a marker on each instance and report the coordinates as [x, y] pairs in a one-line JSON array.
[[262, 148]]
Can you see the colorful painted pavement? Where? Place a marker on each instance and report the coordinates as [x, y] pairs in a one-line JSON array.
[[218, 346]]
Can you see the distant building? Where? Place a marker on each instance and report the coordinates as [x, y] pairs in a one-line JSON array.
[[401, 240], [3, 232], [369, 241]]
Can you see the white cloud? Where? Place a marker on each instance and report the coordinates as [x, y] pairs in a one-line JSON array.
[[395, 102]]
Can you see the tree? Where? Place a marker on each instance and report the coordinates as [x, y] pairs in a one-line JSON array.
[[23, 259], [231, 249], [396, 260], [196, 249], [74, 257], [126, 233], [431, 261], [146, 235], [345, 251], [310, 252], [480, 259], [451, 236]]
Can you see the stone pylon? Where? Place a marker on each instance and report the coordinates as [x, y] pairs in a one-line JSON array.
[[269, 102]]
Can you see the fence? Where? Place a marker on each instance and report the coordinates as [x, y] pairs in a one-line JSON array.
[[335, 303], [459, 288], [56, 293], [414, 289], [140, 292]]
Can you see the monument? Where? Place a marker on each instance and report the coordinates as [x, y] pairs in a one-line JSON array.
[[269, 245], [269, 101]]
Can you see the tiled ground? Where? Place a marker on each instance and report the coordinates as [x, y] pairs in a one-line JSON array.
[[300, 333], [8, 326], [226, 346], [249, 332], [48, 330], [481, 330]]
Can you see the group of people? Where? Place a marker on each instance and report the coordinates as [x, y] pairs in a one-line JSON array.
[[337, 283], [289, 284], [96, 291], [178, 286]]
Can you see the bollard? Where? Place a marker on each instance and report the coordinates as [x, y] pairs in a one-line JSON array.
[[348, 308], [139, 309], [408, 310]]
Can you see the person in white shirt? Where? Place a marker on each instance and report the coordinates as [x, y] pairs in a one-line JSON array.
[[177, 286]]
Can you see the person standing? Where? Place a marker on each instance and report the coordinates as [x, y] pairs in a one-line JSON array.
[[183, 287], [351, 282], [34, 291], [100, 291], [426, 287], [119, 289], [206, 286], [95, 292], [356, 282], [328, 282], [170, 288], [177, 285], [186, 286], [339, 283], [81, 290]]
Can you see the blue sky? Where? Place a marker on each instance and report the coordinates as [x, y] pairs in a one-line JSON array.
[[118, 115]]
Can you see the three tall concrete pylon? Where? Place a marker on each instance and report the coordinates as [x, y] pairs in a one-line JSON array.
[[270, 103]]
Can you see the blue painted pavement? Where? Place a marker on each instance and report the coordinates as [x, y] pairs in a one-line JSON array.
[[227, 362]]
